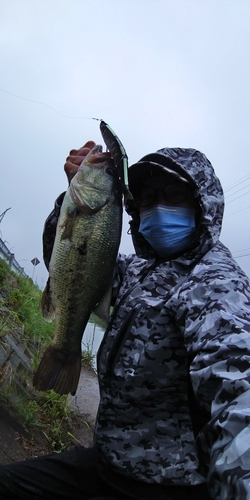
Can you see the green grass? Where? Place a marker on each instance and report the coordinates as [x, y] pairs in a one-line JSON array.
[[21, 297], [47, 412], [20, 311], [87, 356], [24, 300]]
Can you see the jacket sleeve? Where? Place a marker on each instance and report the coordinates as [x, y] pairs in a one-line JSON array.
[[217, 333], [49, 231]]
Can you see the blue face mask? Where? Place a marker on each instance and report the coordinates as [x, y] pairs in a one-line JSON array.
[[168, 229]]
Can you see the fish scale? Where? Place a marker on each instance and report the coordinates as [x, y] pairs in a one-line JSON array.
[[88, 265]]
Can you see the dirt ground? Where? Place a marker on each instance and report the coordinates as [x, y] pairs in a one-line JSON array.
[[17, 444], [85, 404]]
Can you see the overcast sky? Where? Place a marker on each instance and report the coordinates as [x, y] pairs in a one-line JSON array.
[[160, 72]]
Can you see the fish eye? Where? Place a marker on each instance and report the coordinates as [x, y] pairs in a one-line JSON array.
[[110, 171]]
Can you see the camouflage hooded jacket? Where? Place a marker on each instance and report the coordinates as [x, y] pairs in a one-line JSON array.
[[177, 351], [174, 363]]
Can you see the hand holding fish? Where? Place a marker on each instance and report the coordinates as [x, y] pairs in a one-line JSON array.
[[75, 158]]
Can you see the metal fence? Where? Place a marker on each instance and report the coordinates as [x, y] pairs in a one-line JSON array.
[[9, 257]]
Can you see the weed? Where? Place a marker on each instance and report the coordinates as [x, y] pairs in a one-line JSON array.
[[25, 302], [87, 356], [4, 271], [57, 419], [20, 311], [8, 320], [47, 412]]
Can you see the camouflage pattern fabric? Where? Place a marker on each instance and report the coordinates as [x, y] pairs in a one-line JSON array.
[[174, 321], [177, 323]]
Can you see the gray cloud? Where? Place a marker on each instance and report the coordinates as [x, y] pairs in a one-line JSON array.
[[159, 72]]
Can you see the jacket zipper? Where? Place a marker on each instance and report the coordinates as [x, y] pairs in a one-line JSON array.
[[127, 323], [121, 337]]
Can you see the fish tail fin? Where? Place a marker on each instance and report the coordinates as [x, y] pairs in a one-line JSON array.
[[58, 371]]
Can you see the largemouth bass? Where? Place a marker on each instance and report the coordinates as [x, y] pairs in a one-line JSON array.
[[81, 267]]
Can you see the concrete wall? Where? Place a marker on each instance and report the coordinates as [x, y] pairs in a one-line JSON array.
[[15, 362]]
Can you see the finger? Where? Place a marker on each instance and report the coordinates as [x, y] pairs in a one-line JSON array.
[[70, 170], [90, 144], [83, 151], [76, 160]]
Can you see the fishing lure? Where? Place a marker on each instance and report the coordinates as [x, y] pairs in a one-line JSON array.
[[119, 156]]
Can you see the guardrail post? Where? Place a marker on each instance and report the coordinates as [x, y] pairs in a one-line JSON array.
[[11, 258]]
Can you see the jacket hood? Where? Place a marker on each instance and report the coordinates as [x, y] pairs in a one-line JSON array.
[[186, 165]]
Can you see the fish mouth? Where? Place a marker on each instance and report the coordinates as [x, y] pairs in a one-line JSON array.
[[97, 157]]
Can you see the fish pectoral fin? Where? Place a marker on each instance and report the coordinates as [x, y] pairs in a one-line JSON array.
[[102, 310], [46, 306], [59, 371], [69, 224]]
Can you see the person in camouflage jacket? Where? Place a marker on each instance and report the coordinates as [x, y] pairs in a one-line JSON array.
[[179, 343], [173, 365]]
